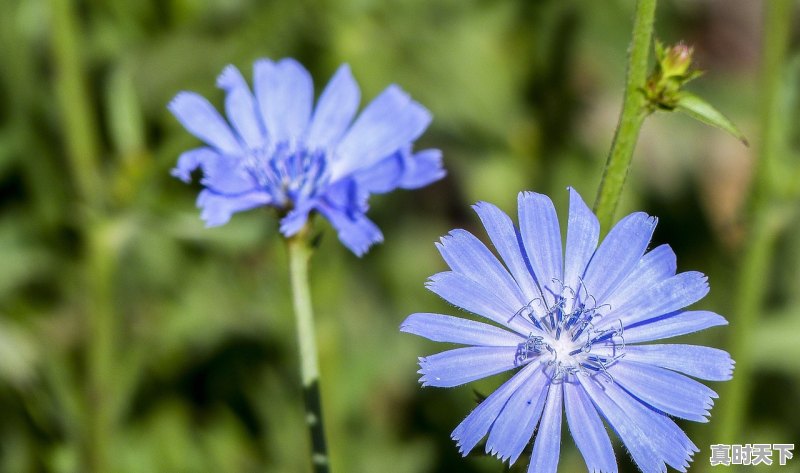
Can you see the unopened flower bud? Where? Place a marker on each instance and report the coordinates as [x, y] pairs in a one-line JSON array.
[[676, 60]]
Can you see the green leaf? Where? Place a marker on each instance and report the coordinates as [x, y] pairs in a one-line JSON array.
[[699, 109], [124, 114]]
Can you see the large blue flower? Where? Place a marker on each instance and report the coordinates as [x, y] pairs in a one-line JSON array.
[[571, 323], [280, 153]]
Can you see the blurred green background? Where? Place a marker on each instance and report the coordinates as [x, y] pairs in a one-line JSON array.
[[200, 371]]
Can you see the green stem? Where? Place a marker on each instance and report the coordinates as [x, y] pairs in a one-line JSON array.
[[634, 111], [82, 151], [753, 273], [76, 116], [299, 256], [101, 357]]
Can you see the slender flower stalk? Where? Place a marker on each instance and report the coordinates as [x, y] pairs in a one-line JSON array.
[[634, 111], [754, 269], [299, 256]]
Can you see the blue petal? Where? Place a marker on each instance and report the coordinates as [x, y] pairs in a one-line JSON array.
[[402, 169], [701, 362], [225, 175], [672, 325], [465, 254], [636, 439], [335, 110], [295, 220], [344, 194], [355, 230], [344, 205], [670, 442], [583, 231], [285, 92], [514, 426], [475, 426], [383, 176], [662, 298], [462, 365], [218, 209], [201, 119], [445, 328], [547, 446], [654, 267], [422, 168], [507, 242], [191, 160], [665, 390], [240, 107], [618, 254], [538, 224], [474, 297], [588, 431], [388, 123]]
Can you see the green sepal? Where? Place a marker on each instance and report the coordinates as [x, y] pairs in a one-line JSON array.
[[699, 109]]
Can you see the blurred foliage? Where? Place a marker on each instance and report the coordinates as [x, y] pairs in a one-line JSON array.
[[525, 95]]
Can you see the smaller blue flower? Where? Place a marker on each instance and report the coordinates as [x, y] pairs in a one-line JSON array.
[[572, 324], [276, 151]]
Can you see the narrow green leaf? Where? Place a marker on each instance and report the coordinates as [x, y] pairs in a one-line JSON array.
[[125, 119], [699, 109]]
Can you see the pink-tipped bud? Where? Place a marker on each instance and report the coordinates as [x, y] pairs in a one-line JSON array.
[[676, 60]]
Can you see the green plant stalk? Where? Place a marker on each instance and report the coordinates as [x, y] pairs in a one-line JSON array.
[[634, 111], [101, 359], [76, 117], [82, 151], [299, 250], [753, 275]]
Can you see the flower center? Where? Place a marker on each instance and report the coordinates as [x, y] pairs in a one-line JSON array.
[[288, 173], [565, 337]]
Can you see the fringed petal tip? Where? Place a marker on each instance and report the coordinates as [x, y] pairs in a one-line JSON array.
[[361, 240], [401, 169], [425, 168], [230, 78], [182, 174]]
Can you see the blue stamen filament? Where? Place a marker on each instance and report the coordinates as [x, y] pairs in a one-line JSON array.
[[287, 174], [572, 354]]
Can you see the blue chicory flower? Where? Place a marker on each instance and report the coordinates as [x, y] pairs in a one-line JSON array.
[[280, 153], [571, 323]]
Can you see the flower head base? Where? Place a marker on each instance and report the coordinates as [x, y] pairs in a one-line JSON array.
[[571, 323], [276, 151]]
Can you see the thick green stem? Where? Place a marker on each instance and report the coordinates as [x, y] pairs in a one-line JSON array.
[[299, 256], [753, 273], [634, 111]]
